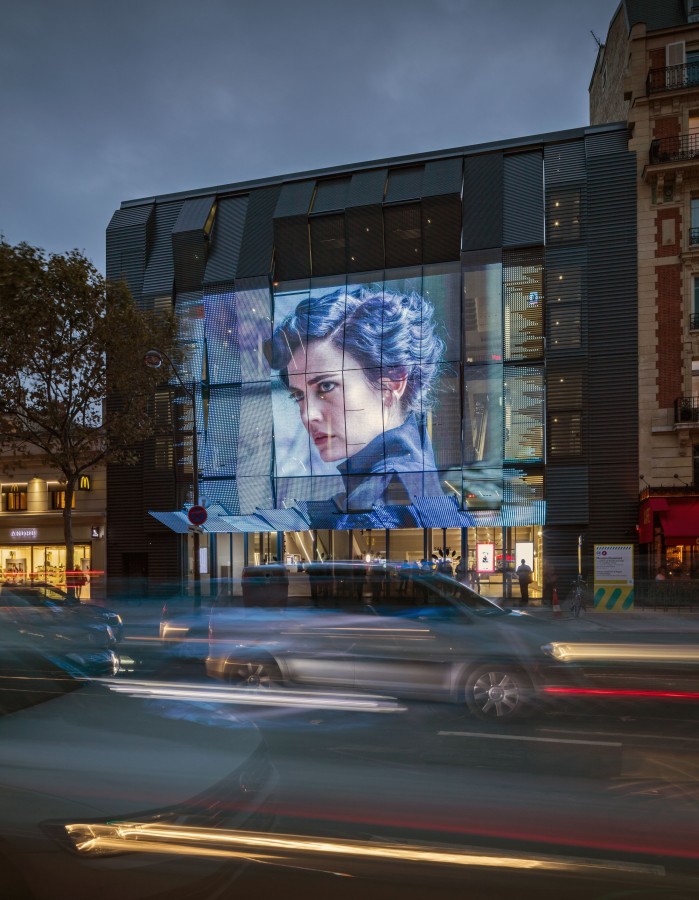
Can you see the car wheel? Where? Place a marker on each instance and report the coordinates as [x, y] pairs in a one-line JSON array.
[[262, 674], [497, 692]]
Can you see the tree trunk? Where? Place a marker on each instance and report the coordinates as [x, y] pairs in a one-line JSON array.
[[68, 534]]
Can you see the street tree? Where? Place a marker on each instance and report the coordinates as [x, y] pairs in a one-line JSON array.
[[74, 392]]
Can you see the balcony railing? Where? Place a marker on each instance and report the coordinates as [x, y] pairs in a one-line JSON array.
[[686, 409], [674, 149], [694, 322], [693, 237], [672, 78]]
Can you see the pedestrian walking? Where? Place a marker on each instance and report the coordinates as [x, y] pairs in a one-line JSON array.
[[524, 576]]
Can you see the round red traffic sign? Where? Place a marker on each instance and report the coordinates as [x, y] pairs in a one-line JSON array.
[[197, 515]]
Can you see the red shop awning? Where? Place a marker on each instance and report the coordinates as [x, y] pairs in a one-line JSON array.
[[646, 524], [680, 521]]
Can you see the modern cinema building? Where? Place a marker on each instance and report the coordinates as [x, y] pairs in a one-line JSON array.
[[389, 359]]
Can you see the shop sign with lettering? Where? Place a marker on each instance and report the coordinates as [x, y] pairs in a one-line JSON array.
[[24, 534]]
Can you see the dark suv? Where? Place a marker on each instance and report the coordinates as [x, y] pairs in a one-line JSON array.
[[28, 618]]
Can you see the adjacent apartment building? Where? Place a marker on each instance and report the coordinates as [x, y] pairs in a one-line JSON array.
[[647, 75]]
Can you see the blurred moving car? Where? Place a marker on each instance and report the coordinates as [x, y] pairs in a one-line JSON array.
[[43, 594], [437, 639], [92, 777], [28, 619], [442, 641]]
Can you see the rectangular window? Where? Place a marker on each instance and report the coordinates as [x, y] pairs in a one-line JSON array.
[[563, 216], [58, 500], [694, 317], [695, 464], [15, 498], [523, 304], [694, 219], [565, 434]]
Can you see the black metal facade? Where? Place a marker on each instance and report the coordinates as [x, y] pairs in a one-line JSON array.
[[562, 204]]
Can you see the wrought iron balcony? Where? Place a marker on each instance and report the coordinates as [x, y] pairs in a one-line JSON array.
[[693, 237], [672, 78], [694, 322], [686, 410], [674, 149]]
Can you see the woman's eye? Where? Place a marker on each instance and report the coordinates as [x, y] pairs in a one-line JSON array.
[[297, 398], [324, 387]]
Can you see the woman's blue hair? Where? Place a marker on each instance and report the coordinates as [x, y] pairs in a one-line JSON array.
[[389, 334]]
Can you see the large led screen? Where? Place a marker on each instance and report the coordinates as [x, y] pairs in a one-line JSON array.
[[353, 389], [365, 391]]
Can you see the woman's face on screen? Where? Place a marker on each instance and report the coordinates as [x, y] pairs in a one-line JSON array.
[[341, 410]]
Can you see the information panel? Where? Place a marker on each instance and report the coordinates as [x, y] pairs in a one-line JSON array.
[[614, 582]]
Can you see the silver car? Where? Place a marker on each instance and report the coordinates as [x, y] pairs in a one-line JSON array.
[[436, 639]]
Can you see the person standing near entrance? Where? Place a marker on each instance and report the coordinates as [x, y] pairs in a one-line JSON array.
[[524, 575]]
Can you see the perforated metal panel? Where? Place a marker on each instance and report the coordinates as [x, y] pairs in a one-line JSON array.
[[483, 201], [403, 235], [365, 238], [328, 244], [441, 228]]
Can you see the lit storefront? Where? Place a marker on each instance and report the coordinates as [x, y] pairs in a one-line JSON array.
[[32, 541]]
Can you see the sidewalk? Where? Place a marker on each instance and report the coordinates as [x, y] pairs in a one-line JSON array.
[[641, 620]]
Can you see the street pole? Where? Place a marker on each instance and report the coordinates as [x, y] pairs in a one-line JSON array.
[[195, 502], [153, 359]]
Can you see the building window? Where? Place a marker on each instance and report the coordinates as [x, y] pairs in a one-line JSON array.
[[58, 500], [694, 316], [15, 497], [565, 434], [695, 465]]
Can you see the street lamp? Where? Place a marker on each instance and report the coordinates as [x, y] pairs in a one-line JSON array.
[[154, 359]]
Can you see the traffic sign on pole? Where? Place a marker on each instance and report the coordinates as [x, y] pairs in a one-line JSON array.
[[197, 515]]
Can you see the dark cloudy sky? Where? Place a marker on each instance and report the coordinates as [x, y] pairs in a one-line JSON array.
[[108, 100]]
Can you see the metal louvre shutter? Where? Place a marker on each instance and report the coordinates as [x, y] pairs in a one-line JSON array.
[[367, 188], [226, 239], [365, 238], [328, 244], [612, 300], [128, 236], [613, 344], [567, 498], [403, 235], [443, 176], [483, 202], [566, 393], [257, 245], [566, 294], [606, 143], [292, 248], [564, 163], [404, 184], [160, 271], [564, 215], [190, 242], [331, 195], [523, 212]]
